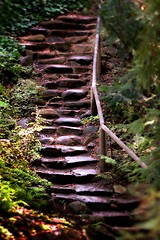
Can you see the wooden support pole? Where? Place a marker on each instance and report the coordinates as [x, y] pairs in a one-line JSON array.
[[102, 142], [93, 104]]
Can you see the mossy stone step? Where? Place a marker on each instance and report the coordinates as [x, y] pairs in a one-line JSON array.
[[78, 19]]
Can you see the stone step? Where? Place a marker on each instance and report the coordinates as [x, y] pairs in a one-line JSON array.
[[113, 218], [69, 112], [68, 162], [78, 19], [82, 49], [70, 140], [60, 46], [58, 68], [100, 203], [48, 113], [61, 150], [70, 33], [35, 46], [68, 121], [48, 130], [33, 38], [52, 94], [88, 189], [38, 30], [77, 105], [83, 60], [75, 175], [55, 60], [71, 83], [76, 40], [45, 55], [52, 24], [65, 130], [74, 94]]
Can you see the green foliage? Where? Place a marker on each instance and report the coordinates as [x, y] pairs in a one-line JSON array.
[[120, 18], [18, 15], [148, 217], [91, 119], [24, 96], [10, 69]]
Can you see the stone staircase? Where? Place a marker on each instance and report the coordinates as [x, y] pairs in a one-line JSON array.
[[62, 54]]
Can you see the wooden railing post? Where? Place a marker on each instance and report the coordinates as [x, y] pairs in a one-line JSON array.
[[93, 104], [102, 143]]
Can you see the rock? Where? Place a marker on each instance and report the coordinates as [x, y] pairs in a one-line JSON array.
[[64, 130], [74, 94], [77, 207], [26, 60], [49, 93], [34, 38], [69, 140], [56, 60], [48, 113], [47, 140], [62, 47], [90, 129], [68, 121], [23, 122], [58, 68], [81, 48], [101, 231]]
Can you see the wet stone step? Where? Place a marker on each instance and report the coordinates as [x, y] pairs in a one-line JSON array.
[[65, 130], [38, 30], [49, 93], [34, 38], [74, 94], [58, 68], [70, 140], [71, 83], [113, 218], [35, 46], [83, 189], [62, 47], [48, 113], [71, 33], [67, 121], [62, 25], [61, 150], [48, 130], [83, 60], [76, 40], [46, 140], [68, 176], [78, 19], [55, 60], [46, 55], [68, 112], [79, 104], [67, 162]]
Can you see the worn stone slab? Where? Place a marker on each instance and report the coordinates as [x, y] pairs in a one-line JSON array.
[[38, 30], [48, 113], [74, 94], [64, 130], [48, 130], [50, 85], [55, 60], [66, 121], [46, 55], [83, 60], [60, 46], [80, 19], [49, 93], [61, 150], [71, 83], [70, 140], [58, 68], [70, 33], [82, 48], [79, 104], [47, 140], [80, 159], [35, 46], [52, 24], [34, 38], [79, 39]]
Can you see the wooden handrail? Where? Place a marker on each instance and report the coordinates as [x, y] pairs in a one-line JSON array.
[[96, 106]]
